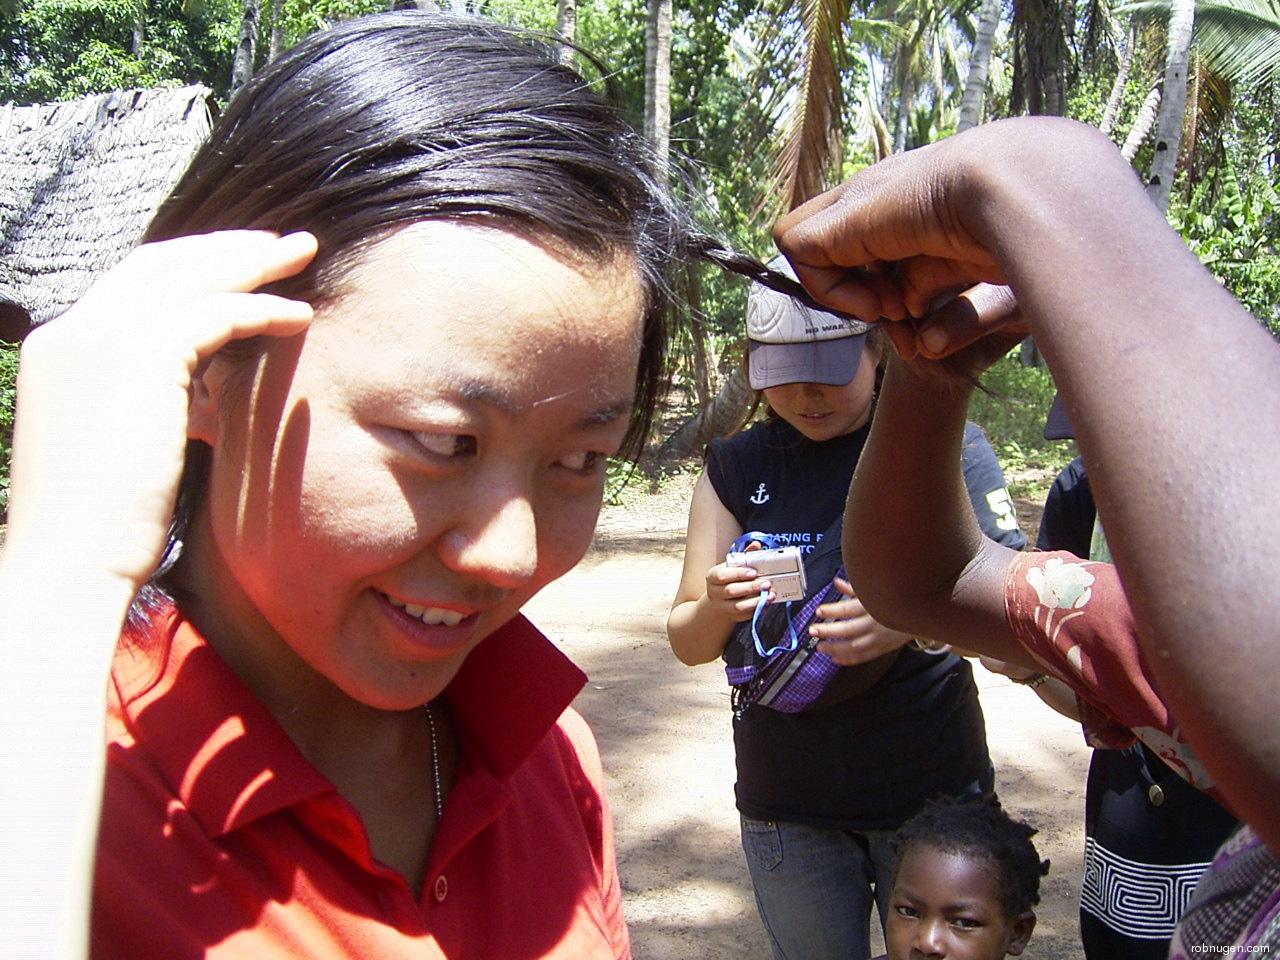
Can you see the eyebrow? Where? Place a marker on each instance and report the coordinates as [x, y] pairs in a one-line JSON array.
[[482, 392], [965, 905]]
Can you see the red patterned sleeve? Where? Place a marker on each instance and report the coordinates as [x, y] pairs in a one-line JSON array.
[[1073, 616]]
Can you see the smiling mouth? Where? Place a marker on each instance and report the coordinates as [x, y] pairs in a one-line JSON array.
[[431, 616]]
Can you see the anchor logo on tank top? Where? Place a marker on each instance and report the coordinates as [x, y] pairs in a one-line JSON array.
[[760, 497]]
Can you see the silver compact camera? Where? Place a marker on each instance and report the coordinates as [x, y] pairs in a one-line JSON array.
[[781, 566]]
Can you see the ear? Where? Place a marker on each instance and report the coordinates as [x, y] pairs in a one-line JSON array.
[[1020, 932], [204, 408]]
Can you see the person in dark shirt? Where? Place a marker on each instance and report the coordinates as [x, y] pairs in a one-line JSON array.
[[1149, 835], [821, 792]]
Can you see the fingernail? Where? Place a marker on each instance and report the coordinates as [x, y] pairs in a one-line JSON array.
[[934, 340], [300, 239], [296, 310]]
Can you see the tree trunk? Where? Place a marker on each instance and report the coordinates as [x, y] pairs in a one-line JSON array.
[[1182, 15], [883, 143], [1122, 80], [139, 27], [567, 27], [906, 93], [975, 84], [657, 80], [1142, 125], [697, 337], [1191, 129], [277, 30], [719, 418], [884, 95], [247, 47], [1055, 103]]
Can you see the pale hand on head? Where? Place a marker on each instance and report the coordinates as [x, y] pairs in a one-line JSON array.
[[103, 394]]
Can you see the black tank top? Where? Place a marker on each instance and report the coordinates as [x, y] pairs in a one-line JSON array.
[[871, 761]]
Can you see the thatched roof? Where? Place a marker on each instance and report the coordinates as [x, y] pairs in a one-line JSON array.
[[80, 182]]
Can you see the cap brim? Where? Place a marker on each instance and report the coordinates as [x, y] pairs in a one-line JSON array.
[[833, 362], [1057, 426]]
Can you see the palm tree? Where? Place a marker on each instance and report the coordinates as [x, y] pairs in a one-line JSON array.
[[1142, 124], [275, 46], [1239, 40], [567, 27], [1039, 57], [1122, 79], [1237, 44], [657, 78], [247, 46], [813, 124], [1173, 104], [975, 84], [139, 26]]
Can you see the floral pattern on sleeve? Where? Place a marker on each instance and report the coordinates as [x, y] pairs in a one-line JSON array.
[[1073, 616]]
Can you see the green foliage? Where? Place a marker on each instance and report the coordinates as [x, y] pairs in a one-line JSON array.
[[1238, 39], [1087, 96], [8, 378], [1013, 414], [1231, 223], [302, 17], [63, 49]]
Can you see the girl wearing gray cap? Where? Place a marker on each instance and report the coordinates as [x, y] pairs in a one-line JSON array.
[[820, 792]]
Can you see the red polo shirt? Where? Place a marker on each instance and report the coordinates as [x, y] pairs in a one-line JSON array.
[[218, 839]]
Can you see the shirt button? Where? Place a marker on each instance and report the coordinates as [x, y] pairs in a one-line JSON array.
[[442, 888]]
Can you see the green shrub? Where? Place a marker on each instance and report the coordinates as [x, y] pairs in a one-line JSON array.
[[1013, 415], [8, 377]]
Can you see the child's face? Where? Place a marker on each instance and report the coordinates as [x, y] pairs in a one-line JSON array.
[[821, 411], [946, 906]]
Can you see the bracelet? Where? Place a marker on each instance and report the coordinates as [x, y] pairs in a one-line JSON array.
[[1033, 681]]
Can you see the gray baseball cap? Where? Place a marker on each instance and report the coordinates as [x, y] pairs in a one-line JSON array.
[[792, 343]]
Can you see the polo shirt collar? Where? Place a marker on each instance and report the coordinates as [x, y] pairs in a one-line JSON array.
[[228, 760], [510, 692]]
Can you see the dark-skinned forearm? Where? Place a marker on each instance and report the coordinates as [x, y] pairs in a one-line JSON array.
[[1174, 392], [913, 548]]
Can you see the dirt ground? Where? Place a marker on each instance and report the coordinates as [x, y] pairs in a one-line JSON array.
[[664, 734]]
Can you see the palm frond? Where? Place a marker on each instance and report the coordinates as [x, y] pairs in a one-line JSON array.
[[869, 126], [1238, 39], [812, 129]]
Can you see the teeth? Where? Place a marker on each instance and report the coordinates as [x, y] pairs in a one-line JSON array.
[[432, 616]]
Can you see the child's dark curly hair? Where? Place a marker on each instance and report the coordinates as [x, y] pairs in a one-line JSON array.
[[979, 828]]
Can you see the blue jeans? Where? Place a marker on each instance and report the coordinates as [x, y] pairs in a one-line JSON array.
[[814, 887]]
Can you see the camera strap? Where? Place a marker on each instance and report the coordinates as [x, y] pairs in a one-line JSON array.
[[768, 542], [787, 645]]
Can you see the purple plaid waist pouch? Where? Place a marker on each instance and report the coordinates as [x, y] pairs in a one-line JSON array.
[[771, 661], [788, 680]]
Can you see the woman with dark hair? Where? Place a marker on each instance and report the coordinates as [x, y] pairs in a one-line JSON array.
[[406, 301]]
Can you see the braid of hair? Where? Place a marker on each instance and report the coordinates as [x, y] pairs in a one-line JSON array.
[[712, 250]]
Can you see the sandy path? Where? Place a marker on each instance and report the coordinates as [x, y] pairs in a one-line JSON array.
[[664, 734]]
